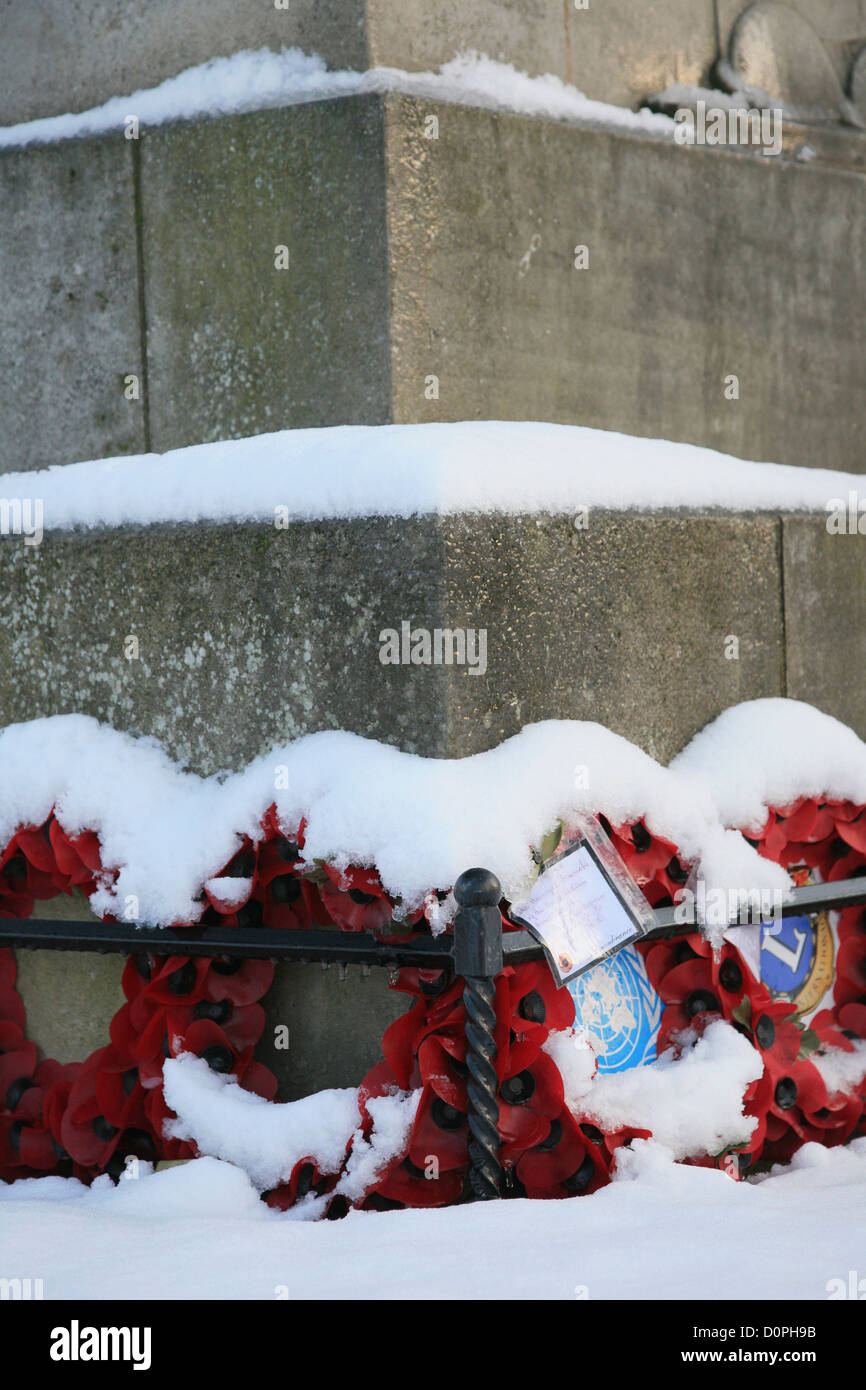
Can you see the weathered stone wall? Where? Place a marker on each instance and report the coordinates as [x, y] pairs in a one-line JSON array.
[[412, 258], [60, 57], [701, 264], [250, 636]]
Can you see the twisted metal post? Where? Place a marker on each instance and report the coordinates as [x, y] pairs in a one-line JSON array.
[[478, 958]]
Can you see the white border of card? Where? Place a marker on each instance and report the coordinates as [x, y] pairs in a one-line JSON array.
[[584, 905]]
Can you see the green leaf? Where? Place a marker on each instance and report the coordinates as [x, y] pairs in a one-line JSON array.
[[551, 841], [317, 874], [809, 1043], [743, 1012]]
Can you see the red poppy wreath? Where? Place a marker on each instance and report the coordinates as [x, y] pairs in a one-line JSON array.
[[88, 1118]]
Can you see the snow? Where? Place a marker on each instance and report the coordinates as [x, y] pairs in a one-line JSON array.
[[256, 80], [664, 1231], [574, 1055], [841, 1070], [393, 1117], [693, 1104], [266, 1140], [519, 467], [263, 1139], [771, 752], [232, 892], [420, 821]]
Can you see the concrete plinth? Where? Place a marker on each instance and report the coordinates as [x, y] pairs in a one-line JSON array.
[[431, 279], [249, 636], [679, 295], [70, 333], [237, 343]]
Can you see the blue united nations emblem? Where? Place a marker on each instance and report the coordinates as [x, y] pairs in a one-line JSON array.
[[619, 1009]]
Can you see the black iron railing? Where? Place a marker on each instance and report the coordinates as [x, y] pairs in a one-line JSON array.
[[477, 951]]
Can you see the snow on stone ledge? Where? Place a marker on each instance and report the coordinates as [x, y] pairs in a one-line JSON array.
[[420, 821], [769, 753], [410, 470], [255, 80]]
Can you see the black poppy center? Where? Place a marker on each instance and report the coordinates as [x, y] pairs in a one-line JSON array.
[[553, 1137], [584, 1175], [227, 965], [217, 1011], [786, 1093], [517, 1090], [701, 1001], [286, 889], [218, 1058], [16, 1091], [531, 1007], [730, 976], [445, 1116], [765, 1031], [181, 981]]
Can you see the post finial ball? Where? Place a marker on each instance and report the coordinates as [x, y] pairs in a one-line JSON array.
[[478, 888]]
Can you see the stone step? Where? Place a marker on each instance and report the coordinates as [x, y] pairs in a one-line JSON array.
[[246, 636], [427, 279]]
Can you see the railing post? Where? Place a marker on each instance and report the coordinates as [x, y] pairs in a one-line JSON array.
[[478, 958]]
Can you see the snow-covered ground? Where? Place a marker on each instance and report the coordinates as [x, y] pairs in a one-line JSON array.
[[662, 1231]]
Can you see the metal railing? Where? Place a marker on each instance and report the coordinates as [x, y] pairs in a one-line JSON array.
[[477, 951]]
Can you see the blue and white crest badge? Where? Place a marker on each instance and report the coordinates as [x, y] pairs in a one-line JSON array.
[[617, 1007]]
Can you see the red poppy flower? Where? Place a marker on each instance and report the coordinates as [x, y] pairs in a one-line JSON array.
[[77, 857], [850, 985], [241, 982], [407, 1185], [177, 980], [303, 1179], [528, 1101], [280, 853], [564, 1163], [291, 902], [853, 830], [21, 875], [158, 1115], [439, 1132], [356, 900], [691, 996]]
